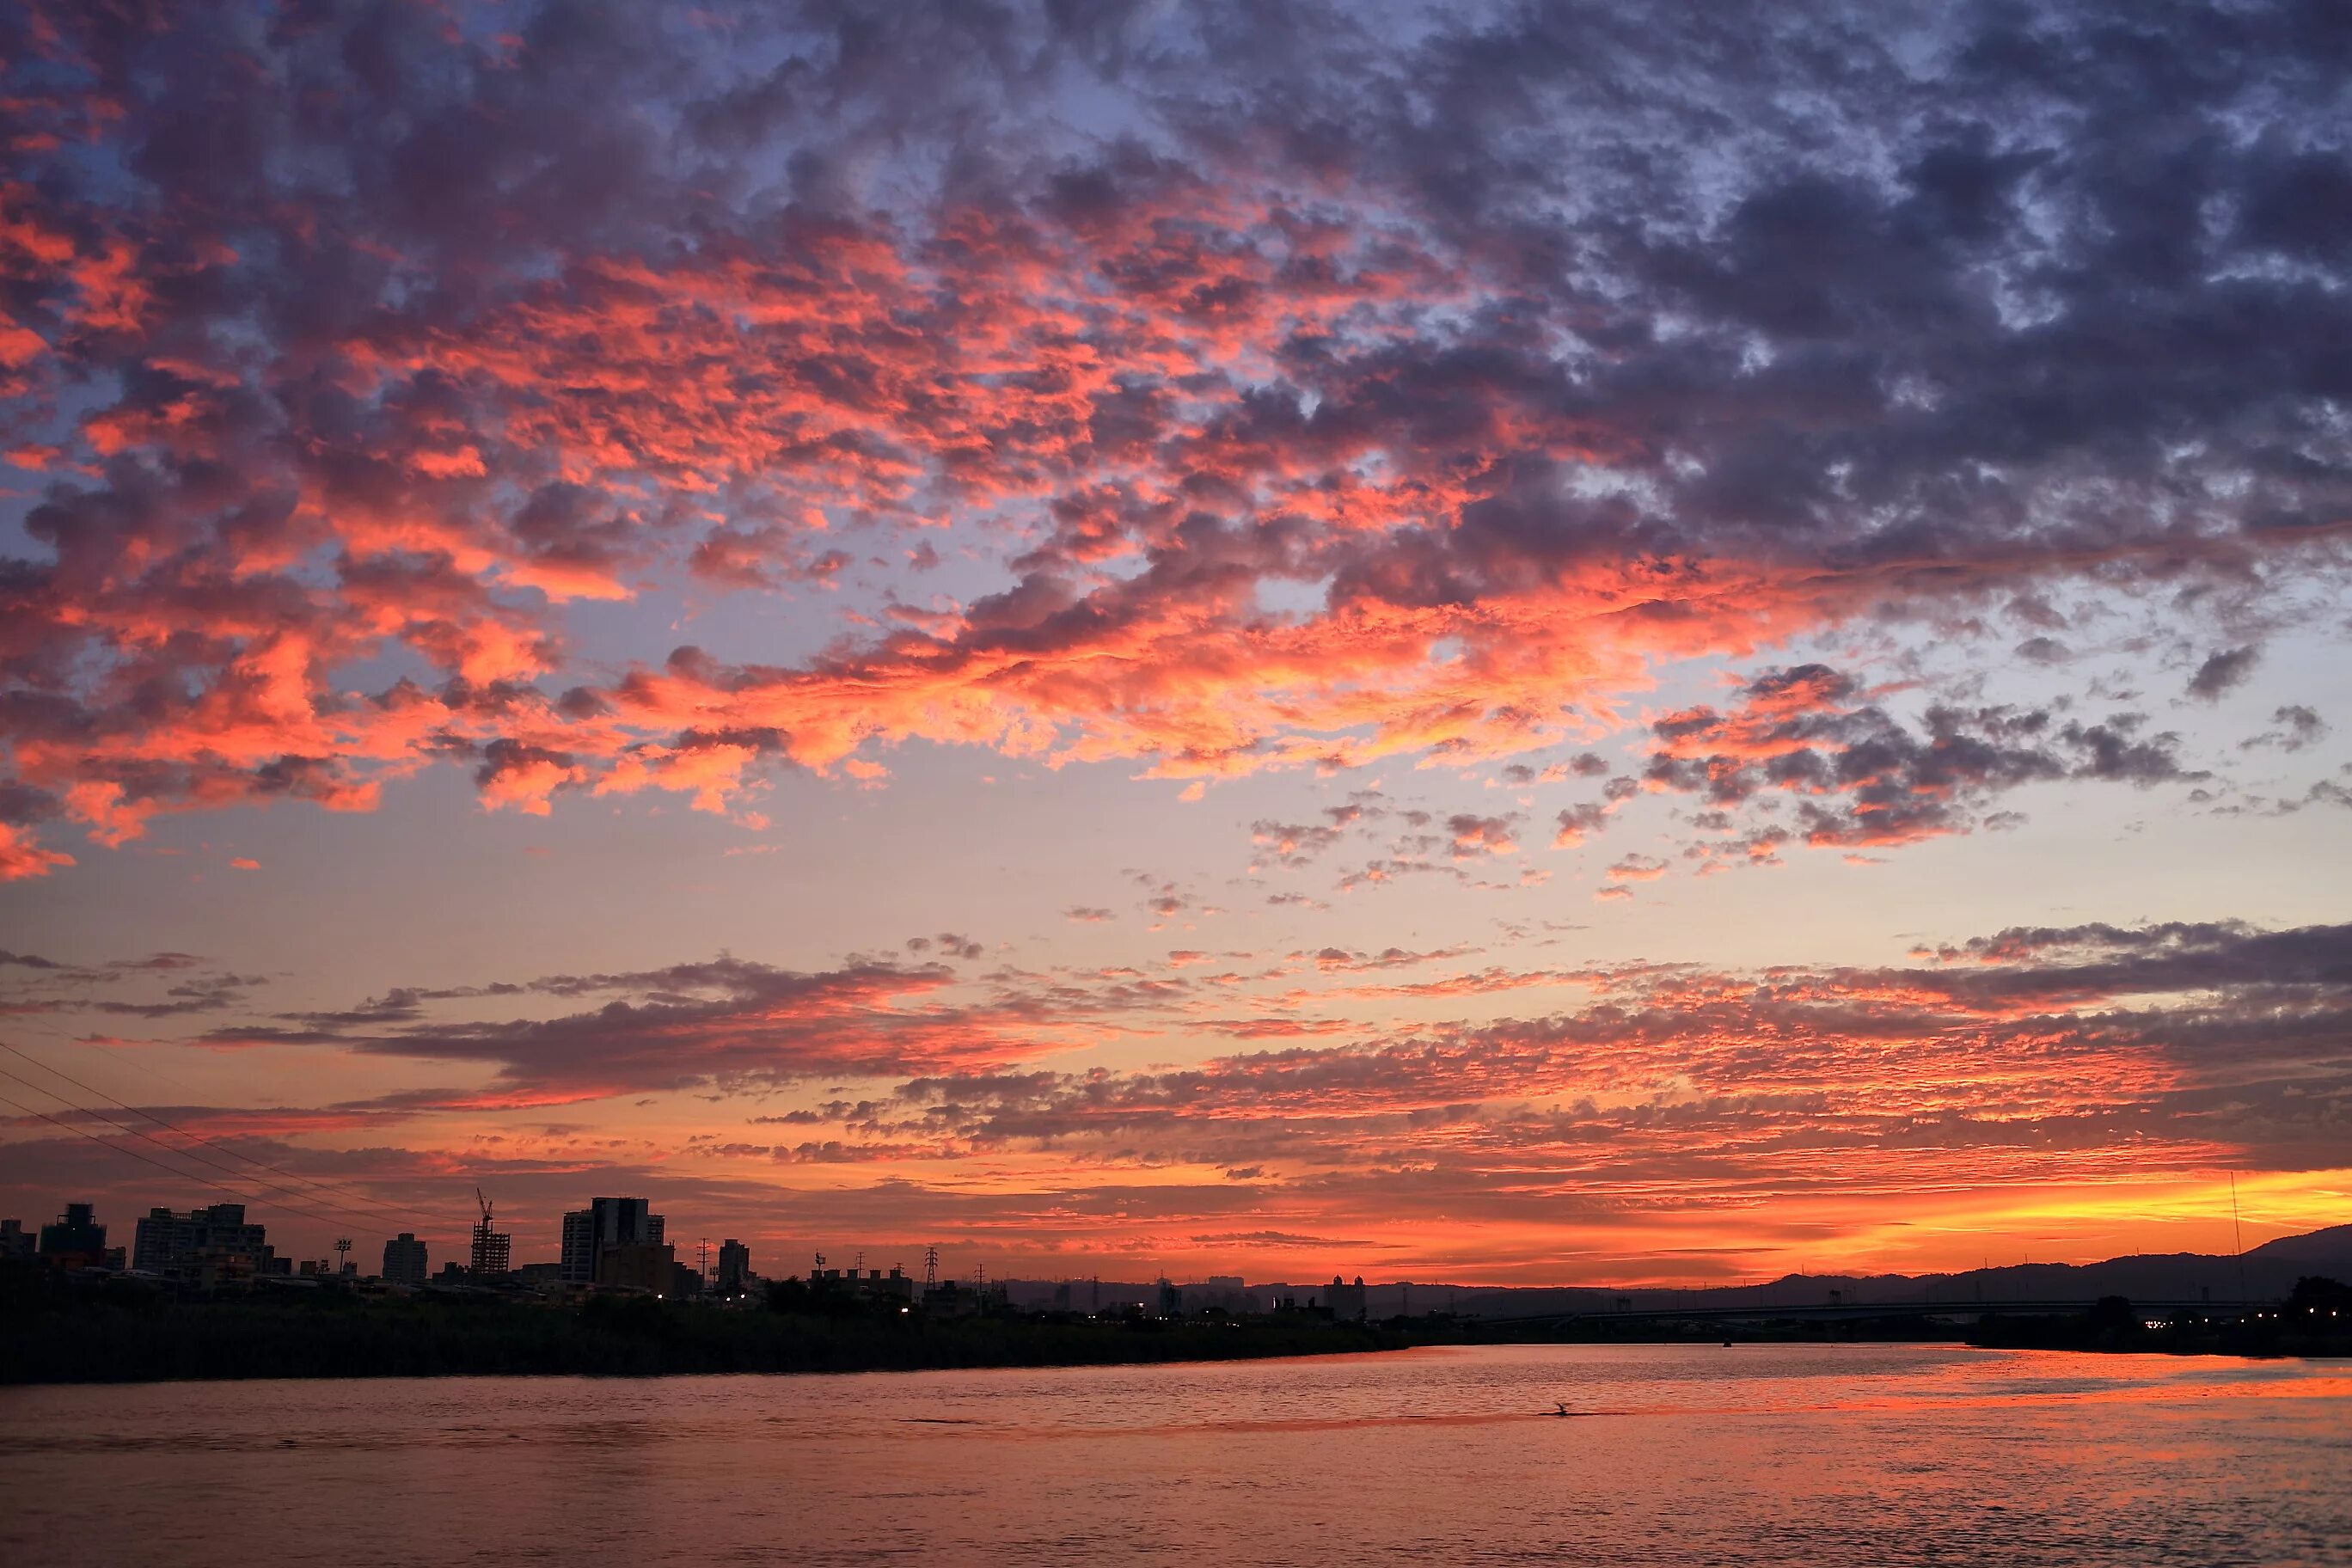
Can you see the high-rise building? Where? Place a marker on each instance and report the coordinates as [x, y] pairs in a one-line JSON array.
[[76, 1240], [1346, 1301], [605, 1222], [734, 1267], [492, 1253], [403, 1260], [15, 1241], [579, 1247], [207, 1241]]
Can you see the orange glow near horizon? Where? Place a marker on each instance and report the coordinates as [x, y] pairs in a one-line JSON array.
[[1085, 658]]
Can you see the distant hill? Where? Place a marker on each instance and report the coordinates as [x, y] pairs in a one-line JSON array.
[[2269, 1272], [2331, 1247]]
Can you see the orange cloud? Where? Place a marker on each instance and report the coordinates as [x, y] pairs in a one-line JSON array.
[[20, 857]]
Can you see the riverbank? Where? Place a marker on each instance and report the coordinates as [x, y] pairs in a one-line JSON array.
[[2269, 1335], [2114, 1331], [102, 1341], [118, 1331], [2314, 1321]]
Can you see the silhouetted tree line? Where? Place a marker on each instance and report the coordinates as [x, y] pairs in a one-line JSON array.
[[2316, 1320], [124, 1333], [56, 1329]]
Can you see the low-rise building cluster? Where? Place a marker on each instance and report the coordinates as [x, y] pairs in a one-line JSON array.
[[617, 1245]]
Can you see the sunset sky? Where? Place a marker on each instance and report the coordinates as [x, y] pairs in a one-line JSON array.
[[1512, 644]]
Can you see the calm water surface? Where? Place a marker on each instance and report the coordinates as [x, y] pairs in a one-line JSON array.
[[1677, 1455]]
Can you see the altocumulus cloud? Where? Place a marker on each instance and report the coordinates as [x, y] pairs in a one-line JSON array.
[[1330, 410]]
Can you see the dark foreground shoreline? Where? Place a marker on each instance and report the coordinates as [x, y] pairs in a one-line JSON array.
[[233, 1340], [120, 1333]]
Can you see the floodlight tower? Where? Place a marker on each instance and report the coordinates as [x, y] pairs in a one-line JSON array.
[[342, 1253]]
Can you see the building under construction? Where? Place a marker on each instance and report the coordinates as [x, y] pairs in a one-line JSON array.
[[492, 1254]]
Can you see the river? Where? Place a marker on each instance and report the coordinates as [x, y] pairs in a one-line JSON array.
[[1673, 1454]]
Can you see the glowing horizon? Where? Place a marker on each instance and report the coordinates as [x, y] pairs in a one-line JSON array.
[[1512, 645]]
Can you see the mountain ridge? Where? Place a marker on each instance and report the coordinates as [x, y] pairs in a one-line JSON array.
[[2261, 1273]]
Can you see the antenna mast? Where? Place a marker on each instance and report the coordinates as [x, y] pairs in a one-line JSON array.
[[2238, 1238]]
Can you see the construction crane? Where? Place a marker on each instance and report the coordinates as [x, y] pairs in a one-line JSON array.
[[490, 1255]]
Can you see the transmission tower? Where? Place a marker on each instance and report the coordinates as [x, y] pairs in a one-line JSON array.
[[702, 1258], [930, 1269]]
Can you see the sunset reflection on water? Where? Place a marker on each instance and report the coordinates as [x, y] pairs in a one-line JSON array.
[[1672, 1454]]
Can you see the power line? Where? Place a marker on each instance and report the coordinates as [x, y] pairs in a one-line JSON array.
[[380, 1211], [148, 1159], [191, 1155], [186, 1153], [198, 1137]]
